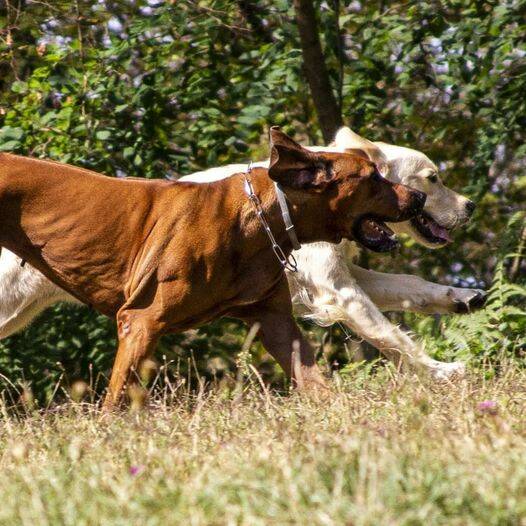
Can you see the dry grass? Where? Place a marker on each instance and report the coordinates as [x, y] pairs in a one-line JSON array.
[[378, 451]]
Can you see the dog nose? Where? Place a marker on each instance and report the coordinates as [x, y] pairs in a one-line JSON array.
[[470, 207]]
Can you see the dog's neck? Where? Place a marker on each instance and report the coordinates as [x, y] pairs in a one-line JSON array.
[[311, 224]]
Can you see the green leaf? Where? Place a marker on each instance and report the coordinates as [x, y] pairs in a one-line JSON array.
[[9, 146], [128, 152], [19, 87], [8, 132], [103, 135]]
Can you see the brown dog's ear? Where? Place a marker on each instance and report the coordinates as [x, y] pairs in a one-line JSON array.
[[293, 166]]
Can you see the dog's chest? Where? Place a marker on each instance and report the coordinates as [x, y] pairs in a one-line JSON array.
[[207, 285]]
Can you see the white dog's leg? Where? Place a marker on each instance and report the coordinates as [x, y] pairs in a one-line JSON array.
[[403, 292], [331, 294]]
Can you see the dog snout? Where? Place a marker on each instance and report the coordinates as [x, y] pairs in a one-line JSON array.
[[470, 208]]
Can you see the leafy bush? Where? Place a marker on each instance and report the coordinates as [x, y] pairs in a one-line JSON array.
[[497, 332]]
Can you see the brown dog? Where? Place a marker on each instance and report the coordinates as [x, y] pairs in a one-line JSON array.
[[165, 256]]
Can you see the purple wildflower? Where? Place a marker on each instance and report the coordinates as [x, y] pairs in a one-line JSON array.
[[488, 407], [136, 470]]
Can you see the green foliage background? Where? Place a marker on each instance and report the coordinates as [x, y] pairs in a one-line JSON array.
[[155, 89]]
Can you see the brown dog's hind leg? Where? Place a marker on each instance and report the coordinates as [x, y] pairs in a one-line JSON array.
[[138, 336]]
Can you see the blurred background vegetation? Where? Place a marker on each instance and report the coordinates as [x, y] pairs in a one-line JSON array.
[[160, 89]]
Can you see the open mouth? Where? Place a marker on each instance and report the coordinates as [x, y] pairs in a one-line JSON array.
[[430, 230], [374, 234]]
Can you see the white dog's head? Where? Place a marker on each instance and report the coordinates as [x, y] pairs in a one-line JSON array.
[[444, 208]]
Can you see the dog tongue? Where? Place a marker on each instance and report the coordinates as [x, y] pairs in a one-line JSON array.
[[439, 231]]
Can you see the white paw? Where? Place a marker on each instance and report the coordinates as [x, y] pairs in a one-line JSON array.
[[442, 372]]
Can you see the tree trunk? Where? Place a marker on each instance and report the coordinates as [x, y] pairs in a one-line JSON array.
[[329, 114]]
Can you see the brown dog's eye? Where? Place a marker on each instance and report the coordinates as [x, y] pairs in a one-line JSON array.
[[376, 176]]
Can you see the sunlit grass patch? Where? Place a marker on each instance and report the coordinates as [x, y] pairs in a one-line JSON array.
[[390, 451]]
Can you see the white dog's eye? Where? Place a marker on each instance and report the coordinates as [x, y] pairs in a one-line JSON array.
[[432, 177]]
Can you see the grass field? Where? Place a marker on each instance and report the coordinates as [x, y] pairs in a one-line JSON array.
[[380, 450]]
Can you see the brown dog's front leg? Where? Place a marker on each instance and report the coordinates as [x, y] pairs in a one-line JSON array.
[[137, 339], [282, 338]]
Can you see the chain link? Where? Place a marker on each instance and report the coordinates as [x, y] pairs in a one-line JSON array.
[[287, 262]]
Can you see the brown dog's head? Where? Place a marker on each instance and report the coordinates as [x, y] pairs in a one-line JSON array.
[[349, 195]]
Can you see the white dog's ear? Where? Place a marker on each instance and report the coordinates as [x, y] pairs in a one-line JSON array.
[[346, 139]]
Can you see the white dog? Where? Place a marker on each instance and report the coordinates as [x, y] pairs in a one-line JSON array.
[[328, 287]]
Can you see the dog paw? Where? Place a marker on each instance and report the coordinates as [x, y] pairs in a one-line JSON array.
[[473, 300], [445, 372]]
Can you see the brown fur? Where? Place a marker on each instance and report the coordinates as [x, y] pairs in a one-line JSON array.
[[164, 256]]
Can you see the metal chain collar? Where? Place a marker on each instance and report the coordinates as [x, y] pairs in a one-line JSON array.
[[287, 262]]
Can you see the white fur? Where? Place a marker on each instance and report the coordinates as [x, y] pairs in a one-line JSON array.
[[328, 287], [24, 293]]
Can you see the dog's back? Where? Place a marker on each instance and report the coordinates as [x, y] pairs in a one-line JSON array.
[[46, 208]]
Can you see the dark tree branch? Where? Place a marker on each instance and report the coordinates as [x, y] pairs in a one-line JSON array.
[[339, 47], [329, 113]]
